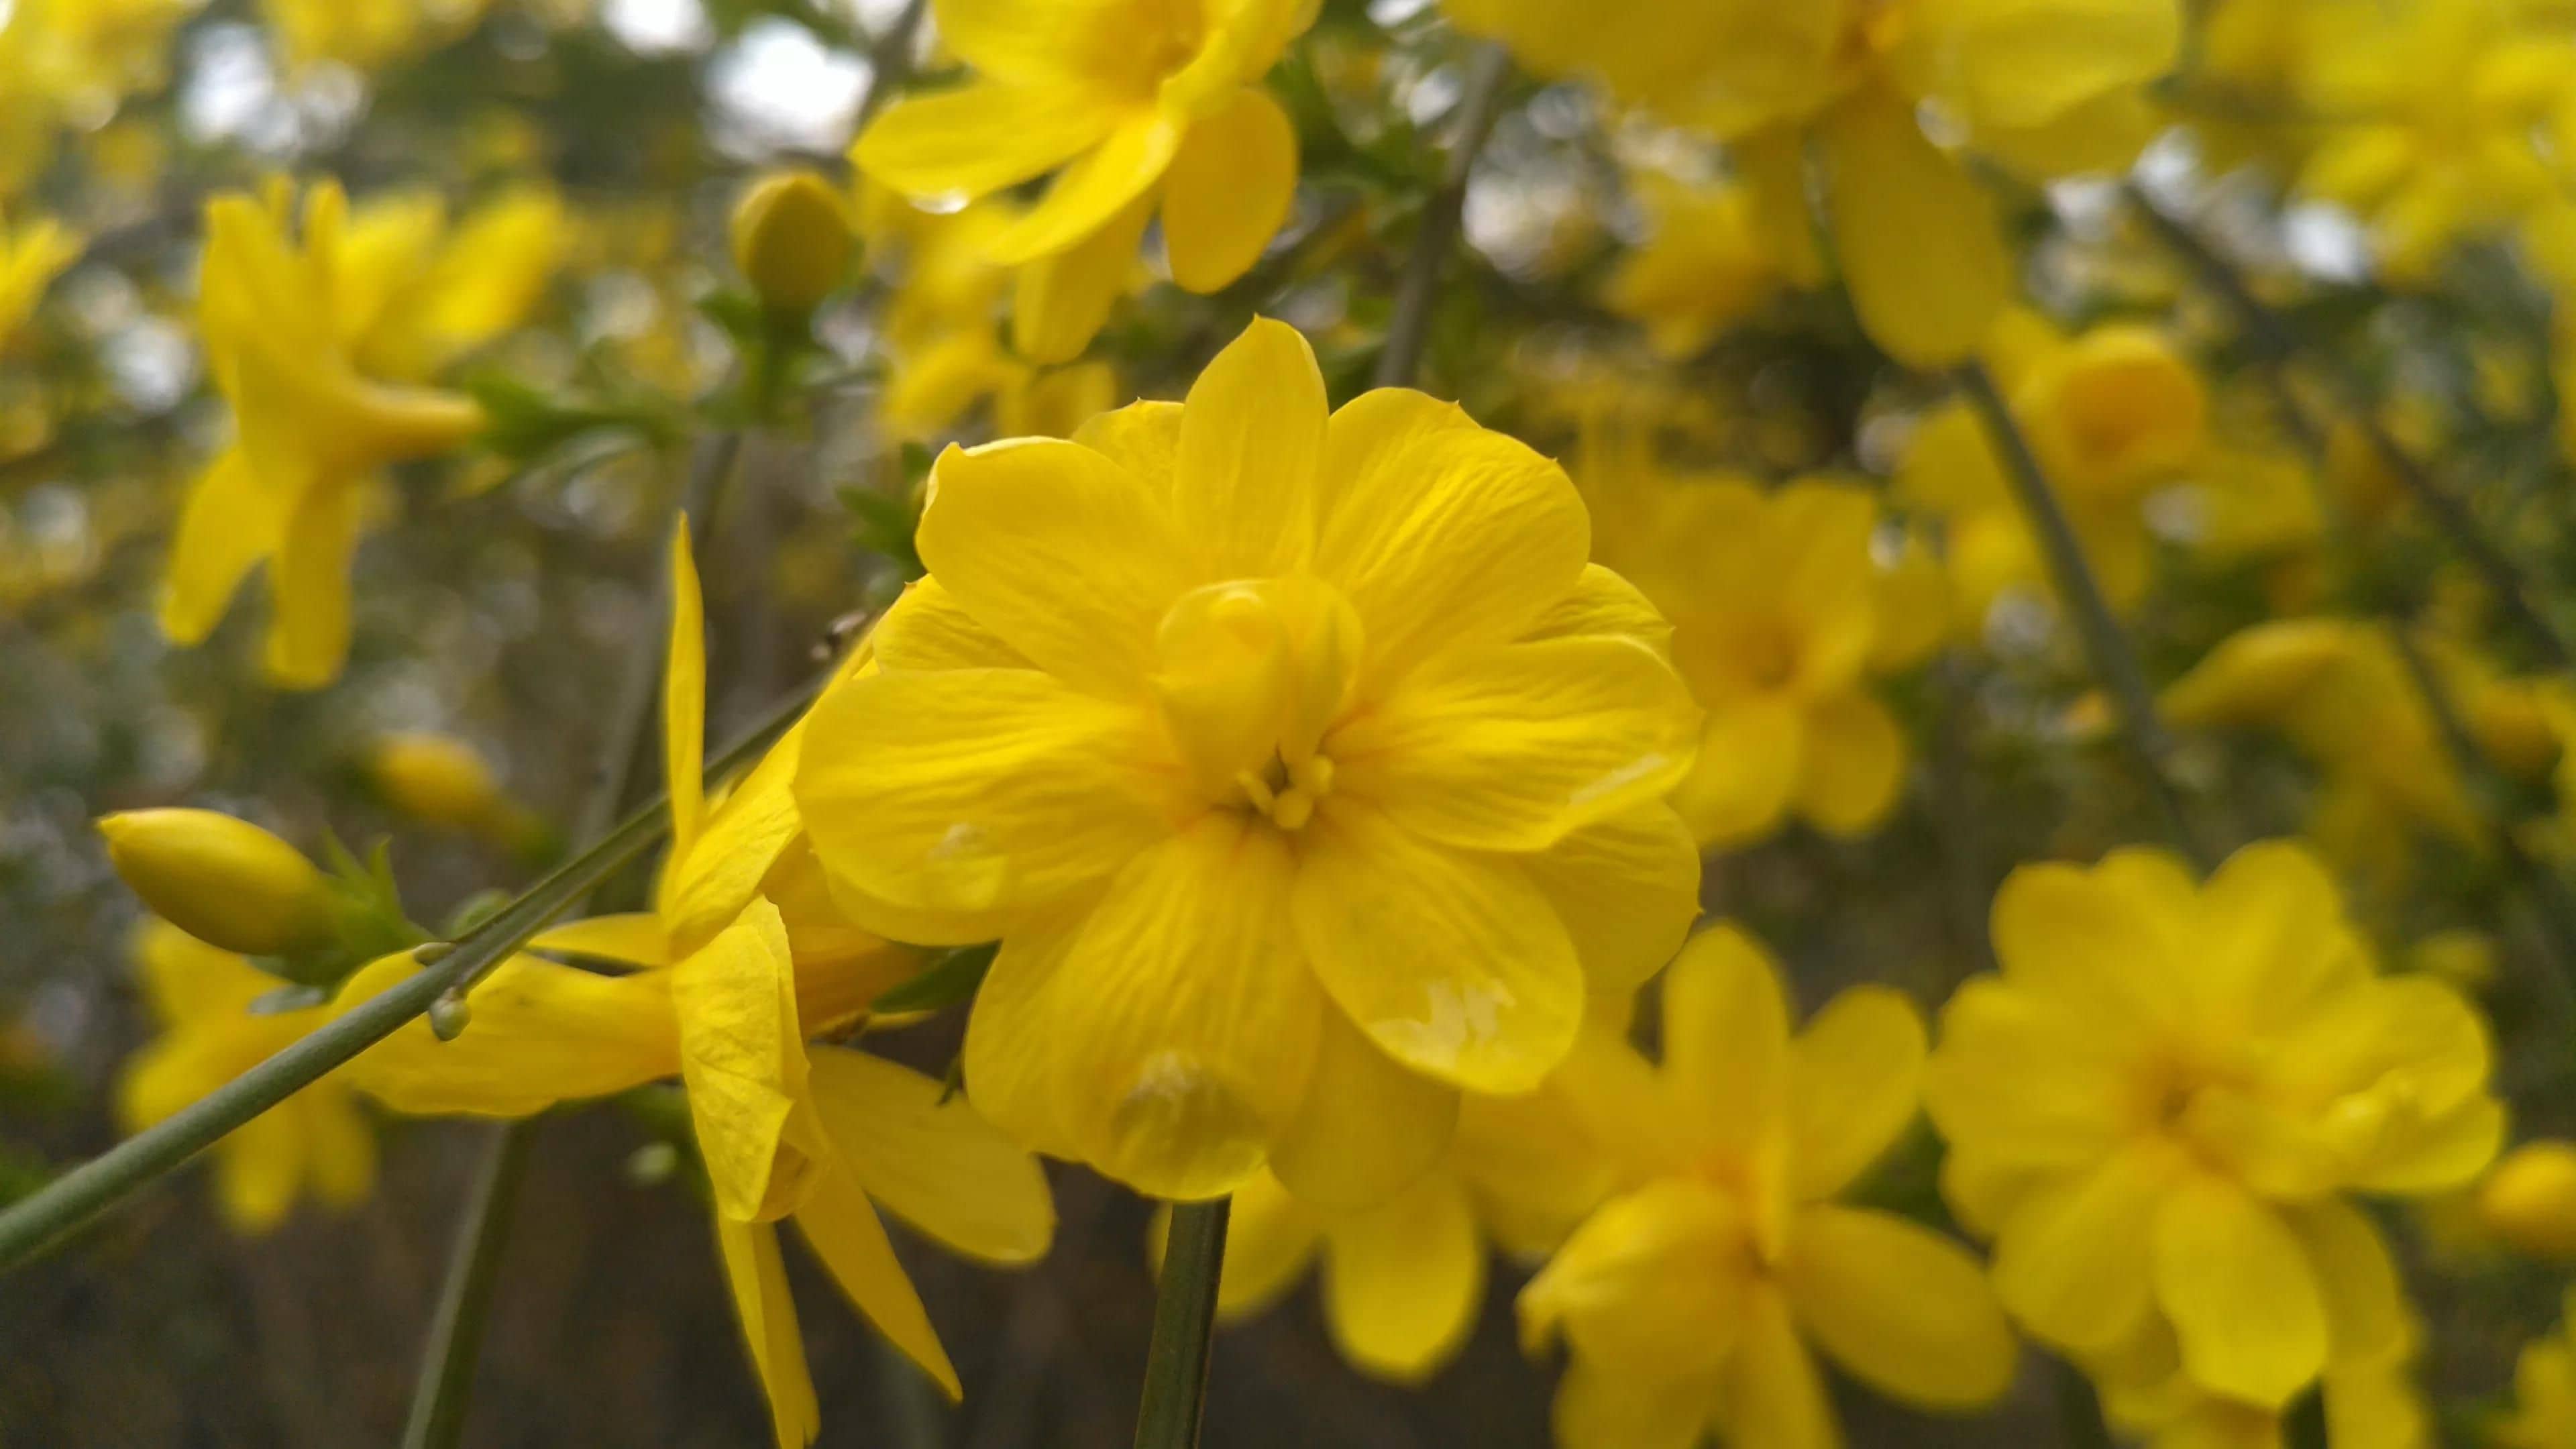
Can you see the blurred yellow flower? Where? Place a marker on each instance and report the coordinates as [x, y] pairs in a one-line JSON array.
[[1302, 767], [66, 64], [2370, 1403], [1689, 1303], [366, 35], [319, 343], [1780, 615], [441, 780], [32, 254], [2158, 1108], [2043, 86], [1134, 105], [2528, 1200], [2113, 414], [730, 992], [1715, 256], [314, 1142], [2544, 1390]]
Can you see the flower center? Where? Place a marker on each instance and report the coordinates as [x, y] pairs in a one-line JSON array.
[[1252, 674], [1286, 793]]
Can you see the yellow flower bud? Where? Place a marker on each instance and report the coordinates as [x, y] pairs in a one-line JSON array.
[[2529, 1200], [792, 239], [435, 779], [224, 881]]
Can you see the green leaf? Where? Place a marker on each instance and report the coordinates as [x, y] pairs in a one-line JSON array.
[[950, 980]]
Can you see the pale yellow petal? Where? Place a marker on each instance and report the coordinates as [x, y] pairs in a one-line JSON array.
[[2071, 1261], [1012, 1031], [1745, 771], [684, 698]]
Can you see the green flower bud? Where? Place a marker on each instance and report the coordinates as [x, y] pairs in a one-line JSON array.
[[224, 881], [792, 239]]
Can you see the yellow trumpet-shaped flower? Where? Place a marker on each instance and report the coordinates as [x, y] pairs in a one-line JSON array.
[[315, 1142], [318, 343], [32, 254], [1404, 1279], [1692, 1302], [2544, 1390], [1780, 616], [1300, 765], [2044, 87], [744, 961], [2112, 414], [1134, 105], [2160, 1106]]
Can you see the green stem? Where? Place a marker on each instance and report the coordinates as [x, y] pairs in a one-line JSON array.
[[2079, 1409], [1176, 1363], [1410, 325], [37, 1222], [2105, 643], [2449, 511], [440, 1398]]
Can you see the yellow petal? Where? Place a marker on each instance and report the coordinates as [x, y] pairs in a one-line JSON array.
[[1443, 535], [2243, 1301], [842, 1228], [1368, 1128], [742, 1056], [1269, 1239], [684, 698], [2088, 944], [339, 1148], [1013, 1030], [2430, 1154], [971, 791], [540, 1034], [258, 1170], [2019, 1076], [1853, 766], [1855, 1077], [1059, 552], [739, 845], [308, 630], [1060, 301], [928, 629], [1144, 438], [2367, 1317], [1403, 1281], [230, 522], [1921, 250], [1775, 1396], [1100, 184], [1034, 44], [2027, 64], [1653, 1283], [1599, 1407], [757, 1277], [1604, 603], [2275, 935], [1726, 1040], [2070, 1261], [1906, 1310], [1511, 748], [634, 939], [979, 137], [1252, 438], [1627, 889], [1229, 189], [1745, 771], [937, 1165], [1190, 1021], [1454, 964]]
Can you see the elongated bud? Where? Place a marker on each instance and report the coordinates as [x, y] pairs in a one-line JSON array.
[[2528, 1200], [434, 779], [792, 239], [224, 881]]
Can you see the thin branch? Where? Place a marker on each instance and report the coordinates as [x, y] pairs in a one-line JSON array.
[[2114, 663], [1410, 326], [444, 1390], [39, 1221], [2449, 511], [1176, 1364], [890, 59]]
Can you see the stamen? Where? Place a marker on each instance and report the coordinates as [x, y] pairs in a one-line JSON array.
[[1257, 790], [1293, 809]]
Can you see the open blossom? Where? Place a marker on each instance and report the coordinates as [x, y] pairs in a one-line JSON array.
[[2161, 1106], [732, 985], [32, 254], [1302, 767], [320, 344], [1135, 106], [1692, 1302], [2544, 1390], [316, 1142]]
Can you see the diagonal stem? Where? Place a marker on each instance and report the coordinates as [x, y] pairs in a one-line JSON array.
[[39, 1221], [1176, 1363], [2105, 643], [1410, 326]]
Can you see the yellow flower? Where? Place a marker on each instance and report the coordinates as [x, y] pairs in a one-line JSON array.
[[441, 780], [1404, 1279], [2528, 1200], [1780, 616], [32, 254], [2158, 1108], [1689, 1303], [66, 64], [2370, 1403], [744, 959], [222, 880], [1301, 766], [2544, 1389], [1134, 105], [316, 1141], [2044, 87], [1710, 261], [366, 35], [316, 343]]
